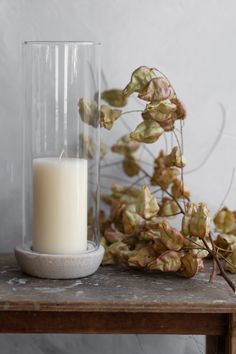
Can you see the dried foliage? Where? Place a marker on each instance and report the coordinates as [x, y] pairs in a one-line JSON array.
[[137, 232]]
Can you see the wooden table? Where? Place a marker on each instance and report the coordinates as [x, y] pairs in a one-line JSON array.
[[115, 300]]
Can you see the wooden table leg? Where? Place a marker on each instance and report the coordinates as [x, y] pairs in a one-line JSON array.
[[232, 334], [223, 344], [216, 345]]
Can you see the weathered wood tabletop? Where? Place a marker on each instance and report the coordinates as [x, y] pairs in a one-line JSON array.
[[116, 300]]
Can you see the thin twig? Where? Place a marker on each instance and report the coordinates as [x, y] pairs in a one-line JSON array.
[[195, 243], [115, 177], [226, 260], [166, 143], [182, 171], [156, 191], [182, 153], [111, 164], [213, 273], [176, 201], [167, 192], [212, 252], [166, 79], [222, 249], [229, 189], [133, 184], [215, 143], [134, 111]]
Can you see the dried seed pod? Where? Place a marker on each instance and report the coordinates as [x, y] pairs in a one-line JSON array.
[[163, 177], [146, 204], [124, 256], [180, 108], [142, 258], [158, 89], [149, 235], [230, 263], [160, 160], [119, 190], [131, 166], [190, 265], [88, 147], [175, 158], [225, 220], [132, 222], [104, 222], [179, 190], [112, 235], [157, 112], [170, 237], [103, 150], [190, 211], [169, 261], [139, 80], [88, 112], [103, 242], [121, 195], [197, 247], [114, 98], [117, 211], [128, 200], [147, 132], [168, 207], [125, 145], [158, 246], [153, 223], [196, 221], [225, 242], [108, 116], [112, 252]]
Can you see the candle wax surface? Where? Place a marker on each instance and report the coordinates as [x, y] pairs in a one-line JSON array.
[[60, 188]]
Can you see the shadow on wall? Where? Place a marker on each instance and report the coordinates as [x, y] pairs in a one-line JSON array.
[[101, 344], [10, 205]]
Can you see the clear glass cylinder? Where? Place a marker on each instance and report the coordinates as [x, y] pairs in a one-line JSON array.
[[61, 146]]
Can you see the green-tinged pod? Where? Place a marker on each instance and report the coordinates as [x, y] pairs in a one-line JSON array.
[[108, 116], [115, 98], [147, 132], [139, 80]]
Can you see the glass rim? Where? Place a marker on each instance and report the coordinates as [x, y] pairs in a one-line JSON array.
[[59, 42]]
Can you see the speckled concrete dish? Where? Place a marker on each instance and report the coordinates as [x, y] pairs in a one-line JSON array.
[[59, 266]]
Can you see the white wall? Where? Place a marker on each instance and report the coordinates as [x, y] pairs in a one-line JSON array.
[[192, 41]]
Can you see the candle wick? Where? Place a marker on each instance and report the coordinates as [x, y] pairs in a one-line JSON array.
[[61, 154]]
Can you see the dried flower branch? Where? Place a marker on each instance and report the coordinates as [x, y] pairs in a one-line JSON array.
[[137, 231]]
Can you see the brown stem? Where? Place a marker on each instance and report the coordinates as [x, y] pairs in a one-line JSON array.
[[134, 183], [111, 164], [145, 172], [134, 111], [213, 273], [227, 261], [156, 191], [222, 249], [213, 253], [181, 170], [176, 201], [166, 191], [195, 243]]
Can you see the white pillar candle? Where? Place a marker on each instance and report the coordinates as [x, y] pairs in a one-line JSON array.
[[60, 205]]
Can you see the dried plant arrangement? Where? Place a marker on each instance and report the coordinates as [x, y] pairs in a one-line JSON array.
[[137, 231]]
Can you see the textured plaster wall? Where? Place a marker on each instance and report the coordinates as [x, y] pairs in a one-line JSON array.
[[193, 42]]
